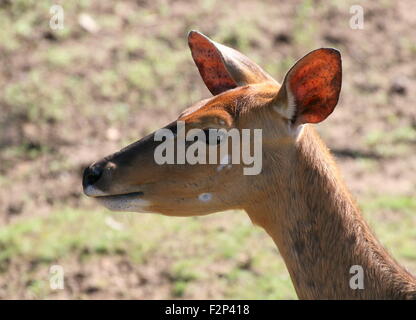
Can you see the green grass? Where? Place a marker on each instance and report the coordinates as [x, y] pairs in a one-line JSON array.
[[399, 135], [305, 33], [392, 143], [73, 85], [393, 219], [224, 250], [403, 204]]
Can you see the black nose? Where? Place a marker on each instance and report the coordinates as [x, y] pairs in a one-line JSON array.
[[91, 175]]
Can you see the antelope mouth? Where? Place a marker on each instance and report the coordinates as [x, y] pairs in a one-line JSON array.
[[132, 202], [93, 192], [126, 196]]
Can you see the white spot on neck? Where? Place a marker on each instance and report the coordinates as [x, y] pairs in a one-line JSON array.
[[205, 197]]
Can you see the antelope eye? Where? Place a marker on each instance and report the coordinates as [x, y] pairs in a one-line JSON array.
[[213, 136]]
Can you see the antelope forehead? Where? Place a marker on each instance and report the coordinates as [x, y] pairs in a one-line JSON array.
[[194, 108]]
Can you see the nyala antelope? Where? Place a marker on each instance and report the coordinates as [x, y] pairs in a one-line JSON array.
[[298, 197]]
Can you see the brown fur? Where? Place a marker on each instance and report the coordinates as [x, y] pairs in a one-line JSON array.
[[298, 198], [319, 230]]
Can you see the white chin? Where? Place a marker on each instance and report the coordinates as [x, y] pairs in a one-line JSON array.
[[124, 203], [91, 191]]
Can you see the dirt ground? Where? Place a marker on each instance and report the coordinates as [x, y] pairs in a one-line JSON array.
[[118, 71]]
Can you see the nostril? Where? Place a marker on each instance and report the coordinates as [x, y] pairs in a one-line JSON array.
[[92, 175]]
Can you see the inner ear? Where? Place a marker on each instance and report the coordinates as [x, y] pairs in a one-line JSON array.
[[210, 64], [311, 88], [223, 68]]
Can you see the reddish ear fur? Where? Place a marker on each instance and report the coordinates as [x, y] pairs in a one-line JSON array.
[[210, 64], [223, 68], [313, 85]]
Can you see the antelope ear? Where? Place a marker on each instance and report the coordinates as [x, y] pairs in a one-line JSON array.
[[311, 88], [221, 67]]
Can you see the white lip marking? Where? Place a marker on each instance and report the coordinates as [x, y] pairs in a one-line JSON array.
[[93, 192], [205, 197], [125, 203]]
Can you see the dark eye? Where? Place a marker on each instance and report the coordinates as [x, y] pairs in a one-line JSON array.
[[215, 138]]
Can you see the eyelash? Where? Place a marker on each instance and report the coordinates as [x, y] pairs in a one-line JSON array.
[[207, 140], [220, 137]]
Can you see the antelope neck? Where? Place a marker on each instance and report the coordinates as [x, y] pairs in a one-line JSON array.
[[320, 231]]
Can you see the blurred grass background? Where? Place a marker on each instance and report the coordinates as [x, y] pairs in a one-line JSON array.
[[120, 70]]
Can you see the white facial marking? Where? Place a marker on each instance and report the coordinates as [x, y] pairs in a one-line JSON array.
[[205, 197], [93, 191], [125, 203], [225, 162]]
